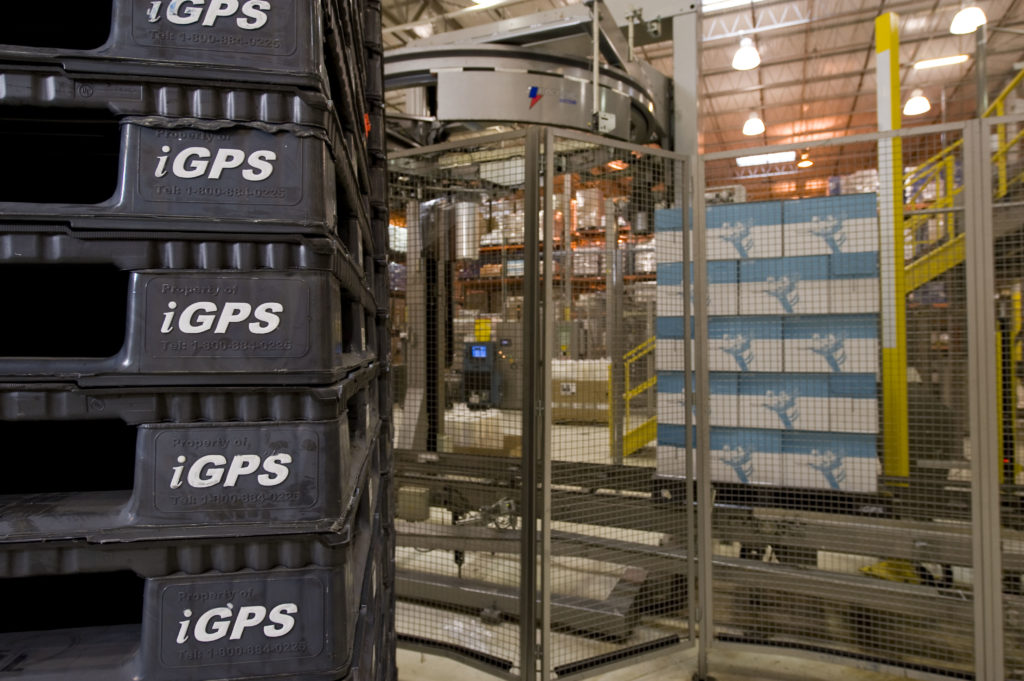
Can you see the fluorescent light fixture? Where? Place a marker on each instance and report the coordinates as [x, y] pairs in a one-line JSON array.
[[424, 30], [940, 61], [617, 164], [753, 125], [805, 160], [481, 4], [766, 159], [917, 104], [721, 5], [967, 20], [746, 57]]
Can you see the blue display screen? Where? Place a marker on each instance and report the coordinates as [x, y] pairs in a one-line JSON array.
[[479, 351]]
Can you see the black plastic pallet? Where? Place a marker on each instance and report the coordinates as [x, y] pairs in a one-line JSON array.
[[161, 311], [98, 169], [301, 44], [185, 463], [269, 607]]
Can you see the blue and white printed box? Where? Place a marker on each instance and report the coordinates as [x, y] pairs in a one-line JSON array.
[[783, 401], [853, 403], [831, 344], [670, 461], [745, 344], [668, 229], [833, 461], [669, 353], [747, 457], [855, 283], [784, 286], [831, 225], [739, 231], [669, 247], [723, 288], [724, 400], [670, 299], [671, 451], [671, 398]]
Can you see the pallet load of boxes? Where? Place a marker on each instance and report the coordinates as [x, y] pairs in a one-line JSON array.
[[194, 369]]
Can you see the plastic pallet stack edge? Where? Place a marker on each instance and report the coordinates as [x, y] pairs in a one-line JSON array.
[[197, 403]]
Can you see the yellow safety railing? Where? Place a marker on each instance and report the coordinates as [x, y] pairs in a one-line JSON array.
[[635, 438], [941, 247]]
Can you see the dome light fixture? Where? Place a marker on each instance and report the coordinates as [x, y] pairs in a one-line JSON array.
[[917, 104], [746, 57], [967, 20], [754, 125], [805, 160]]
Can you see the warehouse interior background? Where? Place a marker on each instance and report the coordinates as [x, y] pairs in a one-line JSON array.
[[816, 471]]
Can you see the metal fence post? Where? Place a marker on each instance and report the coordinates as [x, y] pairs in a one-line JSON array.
[[984, 411], [532, 424]]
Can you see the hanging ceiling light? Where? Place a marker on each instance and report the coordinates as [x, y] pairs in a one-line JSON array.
[[754, 125], [917, 104], [940, 61], [746, 57], [967, 20], [805, 160]]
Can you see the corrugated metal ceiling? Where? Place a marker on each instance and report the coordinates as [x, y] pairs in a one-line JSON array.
[[817, 74]]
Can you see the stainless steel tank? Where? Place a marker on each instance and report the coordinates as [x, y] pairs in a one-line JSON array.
[[467, 230]]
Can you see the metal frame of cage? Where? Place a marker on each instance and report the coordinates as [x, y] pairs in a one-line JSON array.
[[980, 535]]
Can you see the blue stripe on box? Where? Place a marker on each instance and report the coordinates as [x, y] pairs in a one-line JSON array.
[[724, 383], [751, 439], [846, 326], [798, 386], [751, 214], [671, 382], [756, 328], [670, 274], [668, 220], [853, 265], [669, 328], [859, 386], [802, 268], [674, 435], [840, 207], [843, 444], [722, 272]]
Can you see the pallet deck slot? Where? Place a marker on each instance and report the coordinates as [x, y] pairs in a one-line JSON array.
[[89, 592], [90, 301], [63, 156]]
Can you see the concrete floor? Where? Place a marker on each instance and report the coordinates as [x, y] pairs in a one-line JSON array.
[[724, 664]]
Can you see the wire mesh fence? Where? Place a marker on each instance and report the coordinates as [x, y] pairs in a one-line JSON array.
[[858, 402], [457, 274], [1005, 186], [618, 571], [837, 351]]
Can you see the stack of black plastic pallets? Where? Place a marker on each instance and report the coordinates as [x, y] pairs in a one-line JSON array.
[[194, 396]]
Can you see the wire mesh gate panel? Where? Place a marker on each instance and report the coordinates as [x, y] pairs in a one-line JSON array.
[[839, 446], [539, 250], [1003, 189], [616, 572], [458, 219]]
